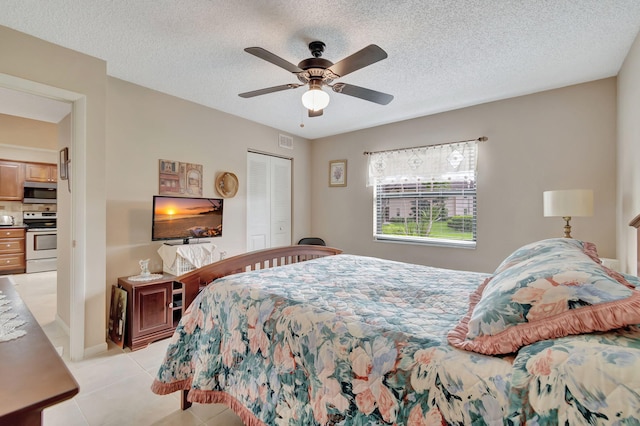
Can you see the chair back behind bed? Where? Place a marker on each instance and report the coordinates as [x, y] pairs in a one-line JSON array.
[[197, 279]]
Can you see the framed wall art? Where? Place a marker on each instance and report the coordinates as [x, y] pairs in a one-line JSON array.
[[118, 315], [338, 173], [176, 178]]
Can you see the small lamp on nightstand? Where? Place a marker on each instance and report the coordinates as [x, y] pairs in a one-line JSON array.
[[568, 203]]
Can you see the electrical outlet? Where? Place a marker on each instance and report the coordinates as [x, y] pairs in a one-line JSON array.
[[223, 254]]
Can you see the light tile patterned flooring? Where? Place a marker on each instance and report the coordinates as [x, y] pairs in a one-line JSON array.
[[114, 385]]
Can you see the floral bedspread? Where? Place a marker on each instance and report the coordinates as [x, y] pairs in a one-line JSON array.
[[352, 340]]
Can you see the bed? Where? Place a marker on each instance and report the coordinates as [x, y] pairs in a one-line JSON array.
[[550, 337]]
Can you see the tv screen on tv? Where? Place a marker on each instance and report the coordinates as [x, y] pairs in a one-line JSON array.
[[183, 218]]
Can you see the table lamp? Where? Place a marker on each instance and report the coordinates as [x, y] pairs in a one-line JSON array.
[[568, 203]]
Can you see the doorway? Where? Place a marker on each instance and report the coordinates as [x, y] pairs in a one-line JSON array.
[[75, 203]]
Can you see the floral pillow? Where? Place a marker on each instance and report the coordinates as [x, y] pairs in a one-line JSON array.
[[548, 289]]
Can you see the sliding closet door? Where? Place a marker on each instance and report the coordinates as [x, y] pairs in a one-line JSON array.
[[268, 201]]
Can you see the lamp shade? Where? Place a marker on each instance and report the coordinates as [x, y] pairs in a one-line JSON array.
[[315, 99], [568, 203]]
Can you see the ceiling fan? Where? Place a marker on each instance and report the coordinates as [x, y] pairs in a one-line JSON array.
[[318, 72]]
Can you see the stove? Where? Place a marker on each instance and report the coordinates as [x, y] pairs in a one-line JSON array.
[[39, 220], [42, 241]]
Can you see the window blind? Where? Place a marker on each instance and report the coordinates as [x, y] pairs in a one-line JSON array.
[[426, 194]]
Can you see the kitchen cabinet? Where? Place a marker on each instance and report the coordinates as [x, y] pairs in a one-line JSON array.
[[12, 251], [41, 172], [11, 180], [154, 309]]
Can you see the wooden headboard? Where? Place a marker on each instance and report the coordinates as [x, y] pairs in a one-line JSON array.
[[251, 261], [636, 224]]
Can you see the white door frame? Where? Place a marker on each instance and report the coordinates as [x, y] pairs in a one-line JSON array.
[[78, 201]]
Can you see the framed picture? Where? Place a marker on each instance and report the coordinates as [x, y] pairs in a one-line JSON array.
[[64, 163], [176, 178], [338, 173], [117, 315]]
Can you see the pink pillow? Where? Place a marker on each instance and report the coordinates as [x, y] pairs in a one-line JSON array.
[[558, 289]]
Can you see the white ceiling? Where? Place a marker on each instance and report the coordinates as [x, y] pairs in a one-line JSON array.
[[443, 54]]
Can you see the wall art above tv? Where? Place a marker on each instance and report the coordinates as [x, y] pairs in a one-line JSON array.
[[176, 178]]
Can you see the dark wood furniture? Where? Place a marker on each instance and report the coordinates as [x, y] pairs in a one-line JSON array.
[[153, 309], [34, 376], [196, 280], [12, 250]]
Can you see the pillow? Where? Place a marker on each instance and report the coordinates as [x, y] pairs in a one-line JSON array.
[[548, 289], [532, 250]]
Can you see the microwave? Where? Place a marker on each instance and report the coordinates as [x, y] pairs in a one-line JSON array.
[[40, 193]]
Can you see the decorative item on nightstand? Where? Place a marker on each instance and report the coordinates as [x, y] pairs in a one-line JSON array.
[[567, 204]]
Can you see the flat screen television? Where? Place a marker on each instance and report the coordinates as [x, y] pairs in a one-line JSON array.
[[184, 218]]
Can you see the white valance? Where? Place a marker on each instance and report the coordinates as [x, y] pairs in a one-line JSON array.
[[439, 163]]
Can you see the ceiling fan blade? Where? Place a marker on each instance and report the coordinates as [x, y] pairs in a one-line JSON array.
[[362, 58], [362, 93], [313, 113], [274, 59], [269, 90]]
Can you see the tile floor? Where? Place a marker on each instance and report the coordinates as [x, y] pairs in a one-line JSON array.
[[114, 385]]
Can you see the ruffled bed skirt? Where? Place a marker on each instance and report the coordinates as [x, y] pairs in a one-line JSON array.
[[208, 397]]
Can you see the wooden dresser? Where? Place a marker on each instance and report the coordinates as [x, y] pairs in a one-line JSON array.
[[34, 376]]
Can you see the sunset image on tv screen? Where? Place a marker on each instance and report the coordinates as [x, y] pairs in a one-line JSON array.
[[181, 218]]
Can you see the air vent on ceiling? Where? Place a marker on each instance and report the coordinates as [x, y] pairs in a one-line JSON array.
[[285, 142]]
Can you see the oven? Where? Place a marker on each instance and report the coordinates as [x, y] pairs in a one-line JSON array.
[[41, 241]]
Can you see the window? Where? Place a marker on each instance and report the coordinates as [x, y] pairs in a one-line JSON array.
[[426, 195]]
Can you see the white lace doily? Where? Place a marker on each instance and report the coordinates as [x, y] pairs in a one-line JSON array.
[[148, 277], [9, 321]]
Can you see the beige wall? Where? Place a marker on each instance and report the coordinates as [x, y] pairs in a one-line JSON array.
[[28, 133], [559, 139], [628, 197], [145, 126], [35, 60]]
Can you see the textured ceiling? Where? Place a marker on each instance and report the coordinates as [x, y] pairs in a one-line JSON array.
[[443, 54]]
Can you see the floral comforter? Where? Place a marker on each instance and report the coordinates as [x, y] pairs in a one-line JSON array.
[[352, 340]]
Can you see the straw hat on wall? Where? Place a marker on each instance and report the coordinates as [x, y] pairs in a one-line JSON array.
[[226, 184]]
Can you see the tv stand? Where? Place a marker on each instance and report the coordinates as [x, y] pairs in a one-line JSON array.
[[187, 241]]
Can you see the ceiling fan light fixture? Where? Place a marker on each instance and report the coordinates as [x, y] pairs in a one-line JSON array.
[[315, 99]]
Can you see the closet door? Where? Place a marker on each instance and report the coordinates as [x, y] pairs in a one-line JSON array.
[[268, 201]]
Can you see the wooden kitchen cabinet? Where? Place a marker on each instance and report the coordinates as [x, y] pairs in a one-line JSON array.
[[12, 250], [154, 309], [41, 172], [11, 180]]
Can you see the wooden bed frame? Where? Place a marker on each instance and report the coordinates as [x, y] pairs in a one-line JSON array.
[[194, 281]]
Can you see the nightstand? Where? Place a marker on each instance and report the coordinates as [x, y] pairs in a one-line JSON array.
[[154, 309]]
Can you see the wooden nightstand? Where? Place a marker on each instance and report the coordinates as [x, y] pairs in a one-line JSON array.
[[154, 309]]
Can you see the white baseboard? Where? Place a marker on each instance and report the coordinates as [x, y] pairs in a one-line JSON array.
[[63, 325], [94, 350]]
